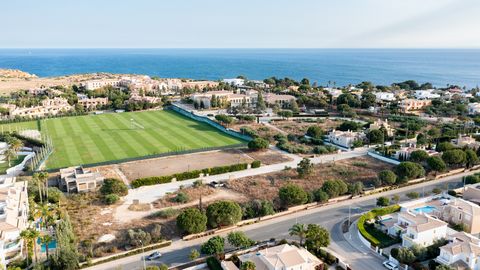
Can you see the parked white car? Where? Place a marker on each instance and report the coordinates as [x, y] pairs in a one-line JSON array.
[[390, 265]]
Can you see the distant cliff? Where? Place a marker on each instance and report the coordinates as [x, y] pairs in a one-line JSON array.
[[15, 73]]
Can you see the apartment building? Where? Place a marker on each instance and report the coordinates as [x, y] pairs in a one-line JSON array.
[[78, 179], [283, 257], [462, 252], [49, 106], [283, 101], [411, 105], [13, 218], [248, 98], [96, 84], [344, 138], [92, 103], [143, 98], [199, 85]]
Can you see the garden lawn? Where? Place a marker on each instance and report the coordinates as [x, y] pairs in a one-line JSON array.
[[91, 139], [14, 162]]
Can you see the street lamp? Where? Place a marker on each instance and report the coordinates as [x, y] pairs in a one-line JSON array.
[[350, 213], [143, 256]]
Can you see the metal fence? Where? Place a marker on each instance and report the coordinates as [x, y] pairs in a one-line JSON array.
[[210, 122]]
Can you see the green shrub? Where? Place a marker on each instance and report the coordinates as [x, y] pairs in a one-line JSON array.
[[192, 220], [114, 186], [111, 198], [213, 264], [214, 246], [166, 213], [291, 195], [181, 198], [258, 144], [256, 164]]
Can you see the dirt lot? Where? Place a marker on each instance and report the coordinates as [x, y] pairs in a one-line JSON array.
[[207, 194], [299, 126], [91, 219], [266, 187], [182, 163]]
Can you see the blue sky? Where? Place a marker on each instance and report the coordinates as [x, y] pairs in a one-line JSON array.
[[240, 24]]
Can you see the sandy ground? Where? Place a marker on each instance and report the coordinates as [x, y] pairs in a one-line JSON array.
[[11, 85], [182, 163]]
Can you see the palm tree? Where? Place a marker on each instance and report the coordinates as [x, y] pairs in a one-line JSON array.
[[30, 238], [45, 240], [47, 212], [16, 144], [43, 178], [299, 230], [10, 154], [25, 234], [36, 179]]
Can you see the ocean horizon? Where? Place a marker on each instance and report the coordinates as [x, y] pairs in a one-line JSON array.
[[342, 66]]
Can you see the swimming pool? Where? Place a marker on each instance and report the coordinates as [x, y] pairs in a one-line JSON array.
[[425, 209], [51, 245]]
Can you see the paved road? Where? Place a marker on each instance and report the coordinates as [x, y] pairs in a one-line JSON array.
[[330, 217]]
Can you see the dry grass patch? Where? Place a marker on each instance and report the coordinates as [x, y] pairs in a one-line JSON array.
[[265, 187], [139, 207], [193, 194]]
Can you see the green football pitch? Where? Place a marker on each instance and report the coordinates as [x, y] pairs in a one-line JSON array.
[[91, 139]]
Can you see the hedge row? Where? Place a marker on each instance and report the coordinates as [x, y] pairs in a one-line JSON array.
[[371, 215], [155, 180]]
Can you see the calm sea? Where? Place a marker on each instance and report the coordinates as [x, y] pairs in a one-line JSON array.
[[343, 66]]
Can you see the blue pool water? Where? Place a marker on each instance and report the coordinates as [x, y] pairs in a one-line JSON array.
[[425, 209], [51, 245]]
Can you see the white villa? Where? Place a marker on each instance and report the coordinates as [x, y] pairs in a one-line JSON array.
[[474, 108], [384, 96], [283, 257], [418, 228], [465, 140], [234, 82], [379, 123], [404, 152], [344, 138], [425, 94], [462, 251]]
